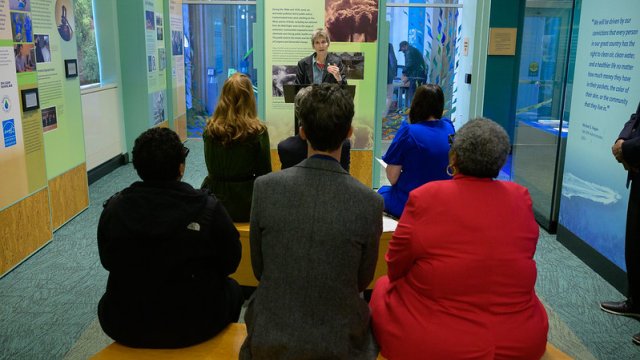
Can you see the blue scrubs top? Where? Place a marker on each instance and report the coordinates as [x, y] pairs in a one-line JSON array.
[[422, 149]]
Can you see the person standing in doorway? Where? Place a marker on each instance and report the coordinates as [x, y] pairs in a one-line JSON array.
[[415, 69]]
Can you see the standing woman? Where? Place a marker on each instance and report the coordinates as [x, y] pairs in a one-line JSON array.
[[321, 66], [236, 147], [419, 152]]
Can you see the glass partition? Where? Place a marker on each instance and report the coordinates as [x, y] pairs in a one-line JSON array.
[[540, 125], [433, 28], [218, 42]]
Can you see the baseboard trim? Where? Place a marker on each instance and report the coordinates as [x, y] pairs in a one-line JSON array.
[[596, 261], [105, 168]]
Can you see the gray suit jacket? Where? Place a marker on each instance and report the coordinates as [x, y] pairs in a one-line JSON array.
[[314, 246]]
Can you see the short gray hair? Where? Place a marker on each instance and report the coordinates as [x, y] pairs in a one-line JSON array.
[[481, 147], [320, 32], [298, 99]]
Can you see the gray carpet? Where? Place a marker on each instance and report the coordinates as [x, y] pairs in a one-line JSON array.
[[48, 303]]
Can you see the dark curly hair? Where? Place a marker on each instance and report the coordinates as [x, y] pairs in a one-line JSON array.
[[325, 114], [157, 155]]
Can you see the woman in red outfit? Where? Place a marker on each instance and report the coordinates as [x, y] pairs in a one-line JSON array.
[[461, 273]]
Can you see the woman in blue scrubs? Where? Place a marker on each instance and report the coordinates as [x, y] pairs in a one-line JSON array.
[[419, 152]]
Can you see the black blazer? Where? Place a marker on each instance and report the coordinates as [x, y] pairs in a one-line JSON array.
[[293, 150], [631, 144], [304, 75]]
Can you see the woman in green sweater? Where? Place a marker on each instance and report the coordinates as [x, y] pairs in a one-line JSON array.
[[236, 147]]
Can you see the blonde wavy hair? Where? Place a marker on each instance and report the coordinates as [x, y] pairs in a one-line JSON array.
[[235, 117]]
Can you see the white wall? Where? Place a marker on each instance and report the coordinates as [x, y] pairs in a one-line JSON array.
[[475, 27], [101, 112]]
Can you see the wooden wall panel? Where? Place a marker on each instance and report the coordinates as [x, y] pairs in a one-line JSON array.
[[24, 228], [181, 127], [69, 195]]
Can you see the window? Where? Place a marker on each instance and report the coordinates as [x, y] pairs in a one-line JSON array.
[[86, 41]]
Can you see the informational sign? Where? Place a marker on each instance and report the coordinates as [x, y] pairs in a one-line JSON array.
[[502, 41], [156, 60], [353, 32], [606, 91], [21, 150], [176, 56]]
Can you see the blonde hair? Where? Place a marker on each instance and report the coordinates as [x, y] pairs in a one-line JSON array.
[[235, 117]]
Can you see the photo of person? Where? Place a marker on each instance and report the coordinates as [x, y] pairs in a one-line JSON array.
[[352, 20], [28, 29], [43, 52], [22, 5], [17, 26], [157, 107], [25, 57], [65, 19], [159, 32], [158, 20], [176, 42], [354, 65], [49, 119], [162, 59], [282, 75], [150, 23]]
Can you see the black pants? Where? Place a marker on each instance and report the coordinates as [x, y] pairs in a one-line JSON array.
[[632, 243]]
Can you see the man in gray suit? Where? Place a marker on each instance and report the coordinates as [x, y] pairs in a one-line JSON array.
[[314, 246]]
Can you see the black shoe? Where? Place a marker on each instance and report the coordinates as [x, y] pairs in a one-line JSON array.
[[623, 308], [636, 339]]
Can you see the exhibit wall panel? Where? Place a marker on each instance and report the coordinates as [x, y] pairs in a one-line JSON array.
[[287, 39], [175, 58], [606, 91], [24, 228], [59, 85], [133, 65]]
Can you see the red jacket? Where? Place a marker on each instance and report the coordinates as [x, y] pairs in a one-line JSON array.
[[461, 275]]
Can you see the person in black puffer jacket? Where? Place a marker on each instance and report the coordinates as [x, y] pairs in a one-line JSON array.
[[169, 250]]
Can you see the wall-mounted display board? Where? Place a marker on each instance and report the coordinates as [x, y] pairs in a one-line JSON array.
[[606, 91], [175, 54], [56, 54], [21, 143], [143, 60], [288, 27]]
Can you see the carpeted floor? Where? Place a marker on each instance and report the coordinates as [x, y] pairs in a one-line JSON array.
[[48, 303]]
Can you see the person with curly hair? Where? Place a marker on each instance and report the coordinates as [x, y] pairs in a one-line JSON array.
[[461, 274], [169, 250], [236, 147]]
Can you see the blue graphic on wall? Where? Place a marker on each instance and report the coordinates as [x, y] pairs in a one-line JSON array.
[[595, 210], [9, 133]]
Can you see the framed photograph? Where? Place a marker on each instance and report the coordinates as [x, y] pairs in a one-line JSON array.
[[30, 100], [71, 68]]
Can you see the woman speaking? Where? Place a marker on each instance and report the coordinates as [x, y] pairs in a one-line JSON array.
[[322, 66]]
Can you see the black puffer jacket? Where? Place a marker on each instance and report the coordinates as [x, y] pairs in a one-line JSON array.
[[168, 249]]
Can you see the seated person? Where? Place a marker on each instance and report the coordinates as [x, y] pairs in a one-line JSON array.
[[293, 149], [169, 250], [314, 244], [236, 147], [461, 273], [419, 151]]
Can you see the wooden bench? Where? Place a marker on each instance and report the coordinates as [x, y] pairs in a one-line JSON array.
[[225, 345], [244, 274]]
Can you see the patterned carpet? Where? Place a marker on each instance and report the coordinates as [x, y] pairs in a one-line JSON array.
[[48, 304]]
